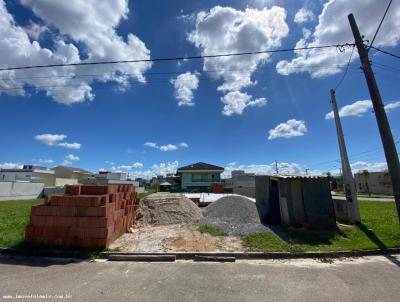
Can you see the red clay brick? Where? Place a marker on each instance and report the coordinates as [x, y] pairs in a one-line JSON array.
[[93, 211], [93, 222], [78, 201], [72, 189], [95, 189]]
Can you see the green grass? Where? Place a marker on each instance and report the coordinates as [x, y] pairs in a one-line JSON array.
[[14, 217], [148, 192], [379, 229], [203, 228]]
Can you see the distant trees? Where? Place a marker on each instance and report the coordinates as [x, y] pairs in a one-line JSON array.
[[365, 173]]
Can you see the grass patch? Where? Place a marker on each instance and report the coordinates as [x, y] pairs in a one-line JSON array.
[[14, 217], [146, 193], [203, 228], [379, 229]]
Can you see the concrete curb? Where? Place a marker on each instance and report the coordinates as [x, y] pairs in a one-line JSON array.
[[196, 255], [260, 255], [47, 253], [142, 258], [200, 258]]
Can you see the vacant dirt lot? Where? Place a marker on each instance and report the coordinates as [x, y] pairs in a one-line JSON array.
[[175, 238]]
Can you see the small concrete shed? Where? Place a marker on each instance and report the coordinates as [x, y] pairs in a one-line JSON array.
[[295, 200]]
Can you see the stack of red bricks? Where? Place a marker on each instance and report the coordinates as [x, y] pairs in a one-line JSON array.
[[87, 216]]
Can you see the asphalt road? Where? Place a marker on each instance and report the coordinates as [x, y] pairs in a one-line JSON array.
[[364, 279]]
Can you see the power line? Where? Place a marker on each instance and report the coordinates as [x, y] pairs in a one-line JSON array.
[[346, 70], [386, 67], [177, 58], [73, 76], [386, 52], [380, 24], [354, 156]]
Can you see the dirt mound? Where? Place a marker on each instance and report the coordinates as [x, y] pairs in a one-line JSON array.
[[167, 208], [234, 215]]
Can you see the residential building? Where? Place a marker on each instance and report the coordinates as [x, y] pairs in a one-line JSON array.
[[56, 177], [199, 176], [374, 183], [242, 183], [29, 173], [104, 177], [67, 172]]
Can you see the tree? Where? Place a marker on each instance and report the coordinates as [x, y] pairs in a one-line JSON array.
[[365, 173]]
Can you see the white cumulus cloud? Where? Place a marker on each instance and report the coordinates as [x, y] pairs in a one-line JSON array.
[[265, 169], [359, 108], [70, 145], [50, 139], [224, 30], [45, 161], [71, 157], [185, 84], [303, 15], [371, 167], [392, 106], [128, 168], [333, 28], [83, 31], [56, 140], [151, 145], [235, 102], [11, 165], [291, 128], [155, 170], [168, 147]]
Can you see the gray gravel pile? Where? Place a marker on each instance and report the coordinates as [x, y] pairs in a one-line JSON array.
[[167, 208], [235, 215]]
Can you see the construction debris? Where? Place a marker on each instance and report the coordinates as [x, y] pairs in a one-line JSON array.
[[235, 215], [86, 216], [167, 208], [174, 238]]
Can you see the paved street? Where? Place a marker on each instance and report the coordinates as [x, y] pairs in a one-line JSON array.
[[365, 279]]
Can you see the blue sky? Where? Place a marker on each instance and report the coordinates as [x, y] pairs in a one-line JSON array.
[[102, 117]]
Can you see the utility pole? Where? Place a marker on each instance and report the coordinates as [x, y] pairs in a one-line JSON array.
[[389, 146], [276, 167], [307, 171], [348, 180]]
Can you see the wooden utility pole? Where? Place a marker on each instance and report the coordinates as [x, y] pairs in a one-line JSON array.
[[389, 146], [348, 180]]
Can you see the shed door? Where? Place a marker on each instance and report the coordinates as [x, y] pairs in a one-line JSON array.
[[274, 214]]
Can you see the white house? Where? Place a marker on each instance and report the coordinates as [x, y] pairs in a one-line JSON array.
[[29, 173]]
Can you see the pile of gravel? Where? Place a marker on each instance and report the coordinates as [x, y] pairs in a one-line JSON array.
[[167, 208], [235, 215]]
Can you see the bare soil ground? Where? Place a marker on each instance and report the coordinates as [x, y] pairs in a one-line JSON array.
[[175, 238]]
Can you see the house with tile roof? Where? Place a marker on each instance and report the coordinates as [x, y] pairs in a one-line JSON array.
[[199, 176]]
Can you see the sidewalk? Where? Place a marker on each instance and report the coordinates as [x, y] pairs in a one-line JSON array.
[[363, 197]]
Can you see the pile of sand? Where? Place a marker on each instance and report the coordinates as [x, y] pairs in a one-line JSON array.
[[167, 208]]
